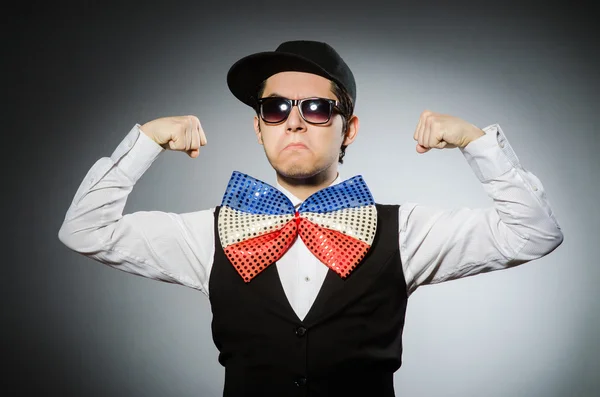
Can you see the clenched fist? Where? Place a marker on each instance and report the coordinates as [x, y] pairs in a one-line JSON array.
[[440, 131], [180, 133]]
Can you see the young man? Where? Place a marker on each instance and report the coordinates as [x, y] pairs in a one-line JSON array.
[[308, 280]]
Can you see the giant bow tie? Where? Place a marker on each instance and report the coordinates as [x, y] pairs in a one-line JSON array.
[[257, 224]]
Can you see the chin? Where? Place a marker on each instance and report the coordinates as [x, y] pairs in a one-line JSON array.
[[297, 171]]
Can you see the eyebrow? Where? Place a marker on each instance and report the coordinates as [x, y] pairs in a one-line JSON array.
[[274, 94]]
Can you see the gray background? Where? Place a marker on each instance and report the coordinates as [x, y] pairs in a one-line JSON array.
[[80, 77]]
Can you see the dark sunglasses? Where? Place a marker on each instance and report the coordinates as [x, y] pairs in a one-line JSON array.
[[313, 110]]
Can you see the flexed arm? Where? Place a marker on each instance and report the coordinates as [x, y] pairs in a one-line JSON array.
[[176, 248], [440, 244]]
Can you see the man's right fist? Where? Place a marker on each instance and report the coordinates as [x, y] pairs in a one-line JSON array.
[[181, 133]]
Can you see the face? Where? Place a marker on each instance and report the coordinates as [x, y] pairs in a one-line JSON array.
[[294, 147]]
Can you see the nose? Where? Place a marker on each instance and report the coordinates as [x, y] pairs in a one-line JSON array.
[[295, 122]]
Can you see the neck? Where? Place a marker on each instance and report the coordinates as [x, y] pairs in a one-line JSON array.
[[304, 187]]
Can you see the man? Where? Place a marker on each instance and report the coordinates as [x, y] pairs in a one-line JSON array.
[[308, 280]]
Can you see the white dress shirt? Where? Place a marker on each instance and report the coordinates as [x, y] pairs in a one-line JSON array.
[[436, 244]]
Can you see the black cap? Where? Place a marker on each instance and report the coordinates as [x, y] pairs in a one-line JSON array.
[[246, 75]]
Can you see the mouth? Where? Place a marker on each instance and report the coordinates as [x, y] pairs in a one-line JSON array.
[[296, 145]]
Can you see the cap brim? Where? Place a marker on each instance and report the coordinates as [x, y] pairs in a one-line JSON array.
[[245, 76]]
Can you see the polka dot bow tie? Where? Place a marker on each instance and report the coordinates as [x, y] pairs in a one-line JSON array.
[[257, 224]]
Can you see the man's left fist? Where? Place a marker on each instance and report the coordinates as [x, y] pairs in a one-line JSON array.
[[440, 131]]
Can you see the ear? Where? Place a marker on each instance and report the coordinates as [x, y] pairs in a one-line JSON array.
[[257, 130], [352, 130]]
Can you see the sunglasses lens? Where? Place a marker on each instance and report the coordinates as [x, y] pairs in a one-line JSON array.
[[274, 110], [316, 111]]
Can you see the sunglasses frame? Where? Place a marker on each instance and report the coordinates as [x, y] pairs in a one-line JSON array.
[[334, 105]]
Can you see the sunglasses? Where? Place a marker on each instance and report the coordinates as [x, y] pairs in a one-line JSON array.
[[313, 110]]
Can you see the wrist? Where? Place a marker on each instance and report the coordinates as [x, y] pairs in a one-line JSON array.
[[477, 133], [145, 128]]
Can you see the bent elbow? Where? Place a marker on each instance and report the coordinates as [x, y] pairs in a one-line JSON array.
[[557, 238], [544, 243], [83, 241], [66, 236], [535, 243]]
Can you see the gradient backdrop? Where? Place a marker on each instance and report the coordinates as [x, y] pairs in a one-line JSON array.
[[80, 77]]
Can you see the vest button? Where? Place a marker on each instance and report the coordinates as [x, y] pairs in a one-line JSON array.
[[300, 382], [300, 331]]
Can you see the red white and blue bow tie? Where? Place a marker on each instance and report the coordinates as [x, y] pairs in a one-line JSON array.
[[257, 224]]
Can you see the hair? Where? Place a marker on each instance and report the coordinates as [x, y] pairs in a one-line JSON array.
[[346, 109]]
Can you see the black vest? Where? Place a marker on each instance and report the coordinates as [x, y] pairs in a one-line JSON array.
[[349, 343]]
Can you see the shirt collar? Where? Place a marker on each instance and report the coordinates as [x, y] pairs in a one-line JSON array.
[[295, 200]]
